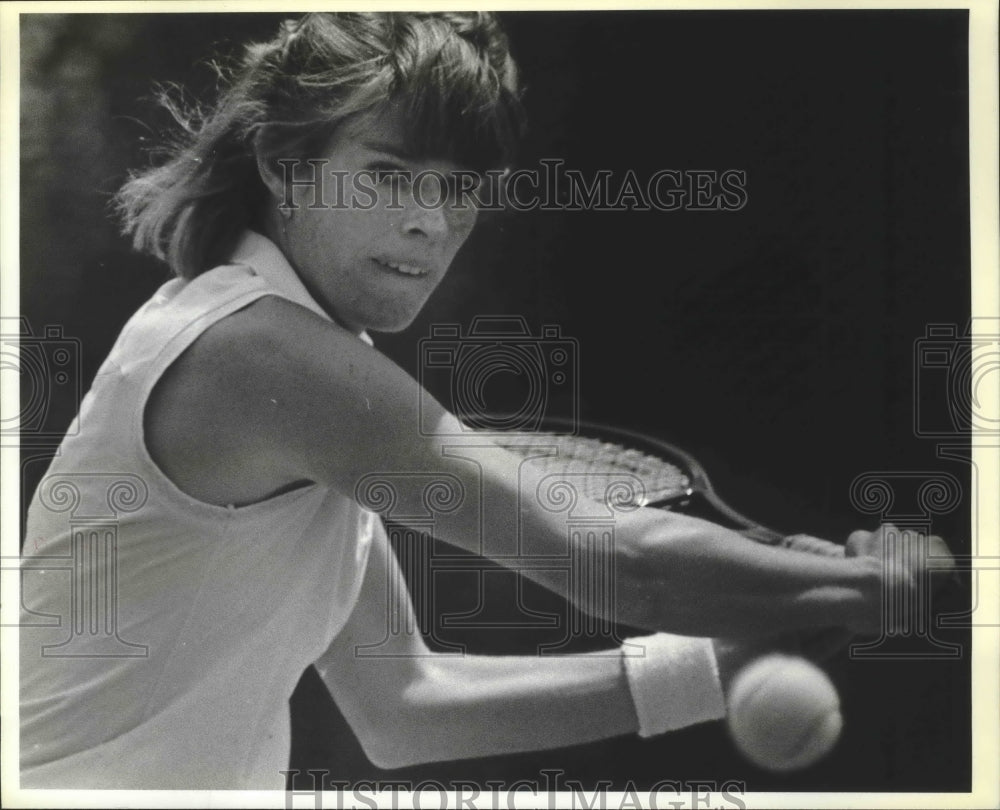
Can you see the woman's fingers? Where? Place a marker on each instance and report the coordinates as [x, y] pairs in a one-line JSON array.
[[813, 545]]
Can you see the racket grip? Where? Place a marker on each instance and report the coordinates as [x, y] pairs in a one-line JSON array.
[[759, 534], [812, 545]]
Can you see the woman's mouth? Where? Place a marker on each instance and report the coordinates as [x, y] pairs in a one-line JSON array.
[[400, 267]]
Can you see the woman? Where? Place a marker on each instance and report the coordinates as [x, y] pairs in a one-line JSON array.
[[244, 404]]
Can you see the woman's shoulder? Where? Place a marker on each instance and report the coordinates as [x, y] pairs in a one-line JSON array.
[[229, 416], [271, 350], [273, 334]]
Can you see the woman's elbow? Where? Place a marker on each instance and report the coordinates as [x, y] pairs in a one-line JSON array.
[[382, 730], [404, 729], [391, 755], [387, 754]]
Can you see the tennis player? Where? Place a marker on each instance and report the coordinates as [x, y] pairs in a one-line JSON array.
[[244, 403]]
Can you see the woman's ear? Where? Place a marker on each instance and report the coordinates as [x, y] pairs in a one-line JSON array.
[[272, 176]]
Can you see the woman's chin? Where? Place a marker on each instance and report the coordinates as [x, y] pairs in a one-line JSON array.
[[392, 325], [387, 321]]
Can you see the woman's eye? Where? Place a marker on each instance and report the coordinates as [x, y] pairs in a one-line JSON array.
[[393, 176], [396, 178], [466, 181]]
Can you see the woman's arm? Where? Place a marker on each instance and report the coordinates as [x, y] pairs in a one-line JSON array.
[[408, 705], [277, 388]]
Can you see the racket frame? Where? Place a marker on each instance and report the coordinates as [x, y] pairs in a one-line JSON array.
[[699, 485]]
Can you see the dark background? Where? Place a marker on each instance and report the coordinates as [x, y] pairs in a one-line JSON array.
[[776, 342]]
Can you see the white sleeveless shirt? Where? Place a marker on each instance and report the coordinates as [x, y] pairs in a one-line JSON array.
[[163, 636]]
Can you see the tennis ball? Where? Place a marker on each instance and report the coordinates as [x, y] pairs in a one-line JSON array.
[[784, 712]]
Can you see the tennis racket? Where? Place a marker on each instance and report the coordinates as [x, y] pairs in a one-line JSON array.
[[598, 455]]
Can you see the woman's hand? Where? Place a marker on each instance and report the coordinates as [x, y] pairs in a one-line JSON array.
[[906, 554], [906, 557], [874, 543], [817, 645]]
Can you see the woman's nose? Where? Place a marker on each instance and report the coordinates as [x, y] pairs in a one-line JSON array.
[[425, 220]]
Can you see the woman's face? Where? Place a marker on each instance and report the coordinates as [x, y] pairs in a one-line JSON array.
[[375, 248]]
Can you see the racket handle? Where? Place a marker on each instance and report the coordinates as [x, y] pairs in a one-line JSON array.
[[759, 534], [804, 543], [812, 545]]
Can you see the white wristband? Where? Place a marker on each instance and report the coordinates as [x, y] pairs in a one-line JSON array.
[[674, 681]]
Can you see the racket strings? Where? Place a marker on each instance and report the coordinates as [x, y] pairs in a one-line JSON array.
[[597, 469]]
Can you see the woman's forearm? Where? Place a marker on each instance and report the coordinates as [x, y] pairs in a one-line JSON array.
[[477, 706], [668, 572], [683, 575]]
